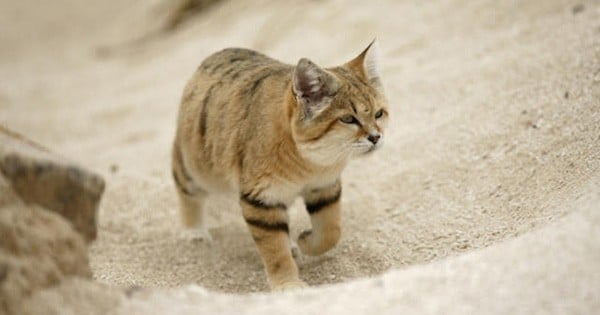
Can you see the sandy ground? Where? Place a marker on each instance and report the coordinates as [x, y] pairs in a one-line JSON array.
[[495, 126]]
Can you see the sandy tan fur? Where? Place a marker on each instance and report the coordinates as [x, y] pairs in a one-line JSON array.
[[272, 132]]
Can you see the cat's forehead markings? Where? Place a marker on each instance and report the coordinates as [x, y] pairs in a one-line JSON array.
[[361, 90], [358, 89], [363, 107], [353, 107]]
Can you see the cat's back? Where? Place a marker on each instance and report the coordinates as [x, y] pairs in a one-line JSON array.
[[236, 82], [234, 78], [236, 65]]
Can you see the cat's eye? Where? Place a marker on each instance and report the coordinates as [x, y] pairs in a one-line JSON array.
[[349, 119], [379, 114]]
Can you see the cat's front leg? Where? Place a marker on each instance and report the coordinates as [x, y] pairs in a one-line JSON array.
[[268, 225], [323, 205]]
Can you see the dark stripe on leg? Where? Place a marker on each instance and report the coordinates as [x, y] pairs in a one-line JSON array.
[[240, 156], [316, 206], [259, 203], [180, 185], [181, 164], [204, 111], [268, 226]]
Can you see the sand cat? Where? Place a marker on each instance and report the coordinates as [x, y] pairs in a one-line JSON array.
[[272, 132]]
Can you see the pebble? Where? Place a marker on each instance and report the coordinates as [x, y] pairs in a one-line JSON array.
[[114, 168], [578, 8]]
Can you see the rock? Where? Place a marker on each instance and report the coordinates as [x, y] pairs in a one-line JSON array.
[[180, 10], [578, 8], [47, 213], [37, 249], [39, 177]]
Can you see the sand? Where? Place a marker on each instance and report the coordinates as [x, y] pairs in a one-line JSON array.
[[494, 132]]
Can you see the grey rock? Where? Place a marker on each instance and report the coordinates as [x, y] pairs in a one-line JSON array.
[[39, 177], [38, 248]]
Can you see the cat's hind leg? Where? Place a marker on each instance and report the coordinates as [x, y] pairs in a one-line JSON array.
[[193, 216], [191, 202]]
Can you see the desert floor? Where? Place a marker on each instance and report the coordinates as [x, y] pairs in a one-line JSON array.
[[494, 131]]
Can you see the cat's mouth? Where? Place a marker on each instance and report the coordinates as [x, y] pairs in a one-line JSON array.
[[363, 149], [371, 149]]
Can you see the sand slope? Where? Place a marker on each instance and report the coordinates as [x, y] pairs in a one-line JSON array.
[[495, 125], [551, 270]]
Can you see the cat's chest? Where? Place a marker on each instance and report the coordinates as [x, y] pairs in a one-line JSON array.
[[287, 191], [322, 179]]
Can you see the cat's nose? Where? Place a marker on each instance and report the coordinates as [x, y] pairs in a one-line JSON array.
[[374, 137]]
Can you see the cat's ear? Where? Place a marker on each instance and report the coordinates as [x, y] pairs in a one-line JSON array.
[[313, 87], [366, 64]]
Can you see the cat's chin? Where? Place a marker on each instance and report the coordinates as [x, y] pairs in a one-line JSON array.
[[365, 152], [371, 150]]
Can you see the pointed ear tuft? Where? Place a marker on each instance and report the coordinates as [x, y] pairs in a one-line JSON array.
[[367, 62], [314, 87]]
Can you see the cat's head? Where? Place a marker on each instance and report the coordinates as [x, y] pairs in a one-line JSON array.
[[340, 112]]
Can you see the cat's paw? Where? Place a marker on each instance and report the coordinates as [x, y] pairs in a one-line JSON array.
[[289, 286], [304, 242], [197, 235], [312, 244], [294, 249]]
